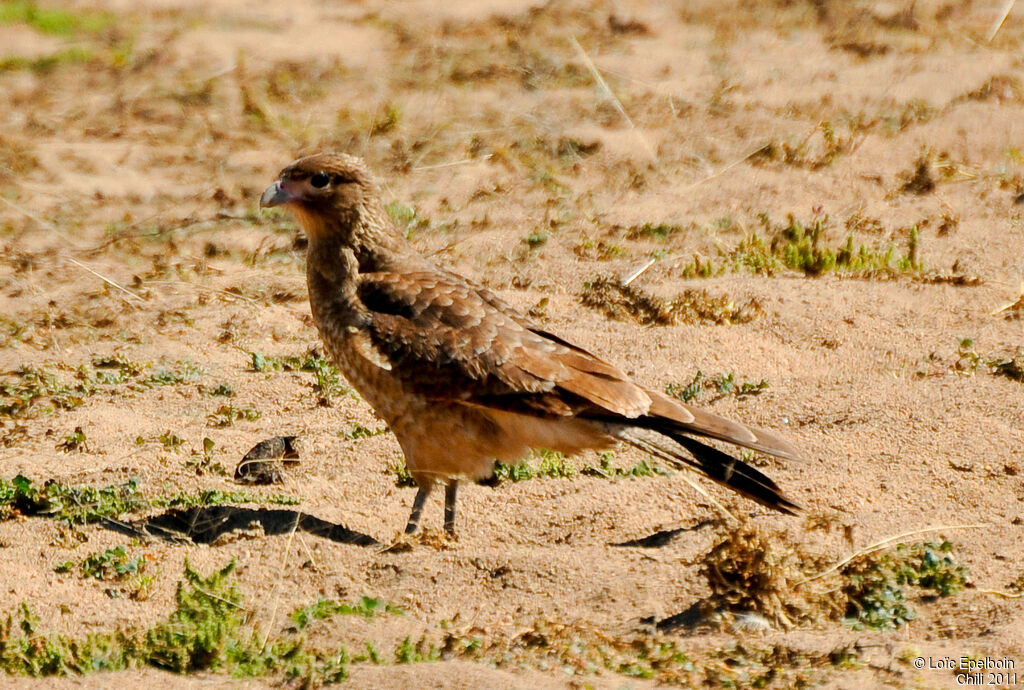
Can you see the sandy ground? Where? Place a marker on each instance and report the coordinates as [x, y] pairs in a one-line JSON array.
[[142, 163]]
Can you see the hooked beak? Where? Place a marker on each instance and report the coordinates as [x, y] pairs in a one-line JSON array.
[[275, 195]]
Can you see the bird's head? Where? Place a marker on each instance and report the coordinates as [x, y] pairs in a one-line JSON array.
[[328, 193]]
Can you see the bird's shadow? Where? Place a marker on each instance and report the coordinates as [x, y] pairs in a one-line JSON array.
[[211, 524], [665, 537]]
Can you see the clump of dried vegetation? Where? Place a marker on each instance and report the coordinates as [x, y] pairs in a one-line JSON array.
[[751, 572], [631, 303]]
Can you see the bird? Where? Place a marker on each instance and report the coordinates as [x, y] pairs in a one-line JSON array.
[[462, 378]]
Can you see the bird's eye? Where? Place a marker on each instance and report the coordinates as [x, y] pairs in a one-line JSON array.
[[320, 180]]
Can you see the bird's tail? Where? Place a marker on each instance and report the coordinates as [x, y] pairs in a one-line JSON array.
[[684, 452]]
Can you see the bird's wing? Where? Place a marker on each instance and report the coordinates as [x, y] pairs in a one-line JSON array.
[[449, 342]]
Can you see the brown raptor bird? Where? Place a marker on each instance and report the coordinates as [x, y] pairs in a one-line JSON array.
[[462, 378]]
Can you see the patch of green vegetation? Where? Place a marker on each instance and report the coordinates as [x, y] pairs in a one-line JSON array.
[[408, 652], [536, 239], [37, 391], [75, 442], [328, 383], [208, 630], [31, 391], [542, 463], [83, 505], [112, 564], [402, 477], [876, 584], [802, 248], [128, 574], [54, 21], [969, 361], [170, 440], [723, 385], [359, 431], [215, 497], [629, 302], [72, 504], [227, 415], [203, 463], [655, 231], [184, 371], [323, 609], [223, 390], [45, 63], [115, 369], [406, 218], [600, 250], [606, 470]]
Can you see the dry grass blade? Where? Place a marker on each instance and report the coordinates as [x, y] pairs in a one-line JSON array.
[[700, 489], [726, 168], [53, 228], [452, 164], [1004, 595], [884, 543], [637, 273], [42, 222], [108, 281], [277, 585], [615, 101], [1000, 20]]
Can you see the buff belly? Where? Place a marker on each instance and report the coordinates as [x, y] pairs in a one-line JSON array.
[[458, 441]]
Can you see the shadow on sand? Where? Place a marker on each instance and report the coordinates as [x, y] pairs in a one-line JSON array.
[[205, 525]]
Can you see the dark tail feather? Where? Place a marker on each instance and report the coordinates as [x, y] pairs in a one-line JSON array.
[[737, 475], [719, 466]]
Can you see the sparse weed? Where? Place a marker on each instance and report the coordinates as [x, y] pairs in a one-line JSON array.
[[31, 391], [74, 442], [606, 470], [542, 463], [802, 248], [875, 584], [52, 20], [620, 301], [655, 231], [359, 432], [324, 609], [227, 415], [750, 572], [170, 440], [203, 463], [536, 239], [328, 384], [222, 389], [805, 154], [970, 361], [402, 477], [723, 385], [128, 575], [83, 505], [408, 219]]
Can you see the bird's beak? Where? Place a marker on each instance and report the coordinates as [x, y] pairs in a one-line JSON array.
[[275, 195]]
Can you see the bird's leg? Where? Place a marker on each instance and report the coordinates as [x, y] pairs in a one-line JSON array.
[[450, 490], [417, 507]]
